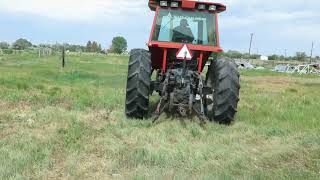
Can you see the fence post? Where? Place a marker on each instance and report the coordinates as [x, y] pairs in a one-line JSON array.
[[63, 57]]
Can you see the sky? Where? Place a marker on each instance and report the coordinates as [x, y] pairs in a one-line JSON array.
[[278, 26]]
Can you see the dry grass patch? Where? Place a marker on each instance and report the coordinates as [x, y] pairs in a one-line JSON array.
[[70, 124]]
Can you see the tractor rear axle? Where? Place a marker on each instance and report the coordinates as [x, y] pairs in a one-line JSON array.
[[182, 92]]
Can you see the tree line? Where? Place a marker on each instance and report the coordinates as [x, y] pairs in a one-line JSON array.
[[118, 45], [299, 56]]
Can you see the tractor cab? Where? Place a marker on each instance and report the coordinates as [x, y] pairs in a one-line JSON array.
[[180, 22]]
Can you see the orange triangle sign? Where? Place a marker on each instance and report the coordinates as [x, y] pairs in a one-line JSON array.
[[184, 53]]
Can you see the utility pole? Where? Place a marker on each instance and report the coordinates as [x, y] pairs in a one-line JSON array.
[[250, 43], [311, 52], [285, 53]]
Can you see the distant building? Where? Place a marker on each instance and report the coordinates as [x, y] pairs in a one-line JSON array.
[[264, 58]]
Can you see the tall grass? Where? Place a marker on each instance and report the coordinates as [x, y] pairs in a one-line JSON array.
[[70, 124]]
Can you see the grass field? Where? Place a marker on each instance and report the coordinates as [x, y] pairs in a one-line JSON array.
[[70, 124]]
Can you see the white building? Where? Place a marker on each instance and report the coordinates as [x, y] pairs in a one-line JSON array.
[[264, 58]]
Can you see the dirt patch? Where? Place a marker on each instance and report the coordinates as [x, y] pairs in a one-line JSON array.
[[95, 167], [58, 166], [8, 130], [84, 167], [272, 85], [68, 105], [269, 79], [276, 85], [4, 105], [97, 118], [45, 132], [281, 80], [21, 105]]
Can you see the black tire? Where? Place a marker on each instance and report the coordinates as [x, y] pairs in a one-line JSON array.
[[224, 79], [138, 84]]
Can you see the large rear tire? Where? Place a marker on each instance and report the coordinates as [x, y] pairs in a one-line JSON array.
[[138, 84], [224, 79]]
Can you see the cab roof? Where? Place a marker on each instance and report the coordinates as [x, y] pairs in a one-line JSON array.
[[188, 4]]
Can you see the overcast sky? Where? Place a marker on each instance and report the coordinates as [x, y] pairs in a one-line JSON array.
[[277, 25]]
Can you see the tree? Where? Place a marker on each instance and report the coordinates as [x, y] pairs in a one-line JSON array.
[[21, 44], [273, 57], [4, 45], [100, 48], [89, 46], [233, 54], [301, 56], [255, 56], [94, 47], [119, 45], [246, 56]]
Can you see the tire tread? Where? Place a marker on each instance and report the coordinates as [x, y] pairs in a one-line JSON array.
[[224, 75], [138, 84]]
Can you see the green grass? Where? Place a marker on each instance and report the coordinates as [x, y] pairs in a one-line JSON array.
[[70, 124]]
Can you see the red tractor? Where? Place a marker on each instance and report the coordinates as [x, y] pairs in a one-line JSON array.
[[184, 38]]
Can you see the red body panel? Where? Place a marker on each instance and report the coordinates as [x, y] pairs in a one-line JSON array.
[[159, 50], [188, 4], [172, 45], [191, 4]]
